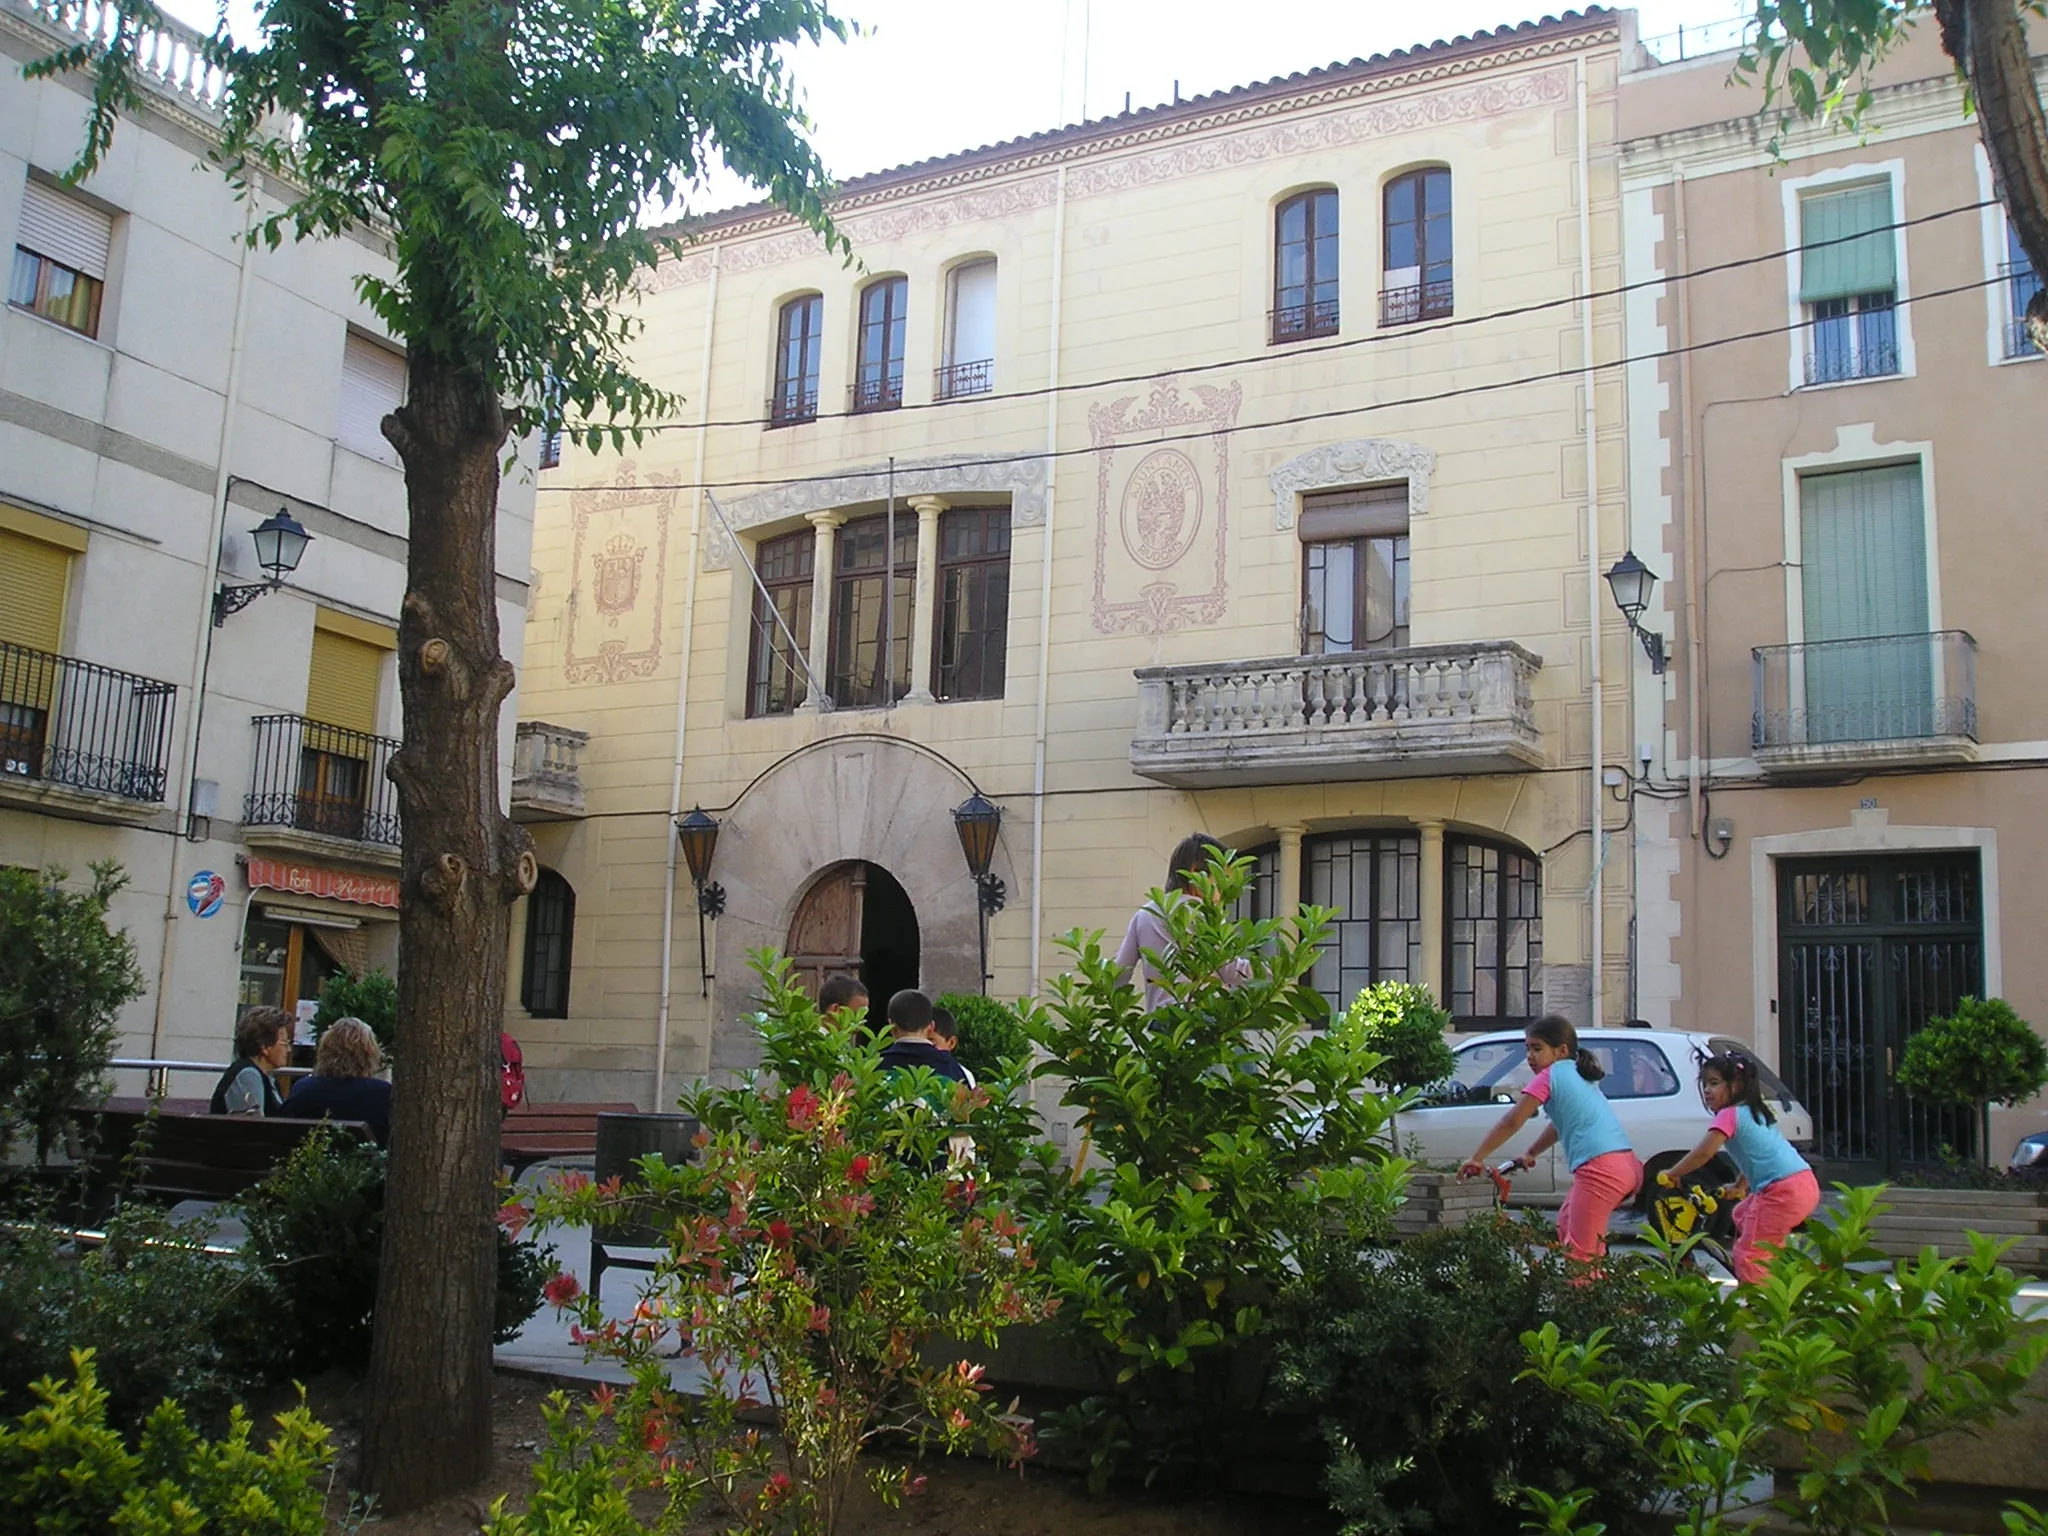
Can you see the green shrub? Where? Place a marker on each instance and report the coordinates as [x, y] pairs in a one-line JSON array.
[[1402, 1021], [823, 1256], [991, 1033], [1243, 1147], [1413, 1369], [1980, 1055], [1842, 1371], [65, 1469], [163, 1317], [371, 997], [64, 978], [316, 1226]]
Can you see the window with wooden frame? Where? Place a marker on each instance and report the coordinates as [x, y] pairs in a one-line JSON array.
[[782, 623], [34, 576], [798, 332], [1354, 585], [878, 374], [343, 687], [550, 938], [971, 629], [1373, 881], [1305, 267], [1493, 934], [863, 612], [1415, 275], [61, 249]]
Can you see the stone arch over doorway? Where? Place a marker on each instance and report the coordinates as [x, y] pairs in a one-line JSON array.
[[857, 800]]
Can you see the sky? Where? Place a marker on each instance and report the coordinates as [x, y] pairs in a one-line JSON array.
[[933, 77]]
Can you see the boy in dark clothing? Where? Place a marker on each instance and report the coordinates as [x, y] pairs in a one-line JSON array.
[[946, 1036], [910, 1020]]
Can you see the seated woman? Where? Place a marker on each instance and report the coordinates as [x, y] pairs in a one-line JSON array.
[[344, 1084], [263, 1043]]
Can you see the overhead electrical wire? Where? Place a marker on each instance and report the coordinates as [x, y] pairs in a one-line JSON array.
[[1435, 397], [1298, 351]]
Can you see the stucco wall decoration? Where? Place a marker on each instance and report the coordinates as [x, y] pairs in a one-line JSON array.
[[619, 569], [1162, 508]]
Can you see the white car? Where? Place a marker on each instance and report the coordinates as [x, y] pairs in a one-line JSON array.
[[1652, 1081]]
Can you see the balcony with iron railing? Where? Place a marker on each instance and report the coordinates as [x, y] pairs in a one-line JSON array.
[[1412, 302], [1302, 322], [75, 730], [1419, 710], [957, 381], [2021, 284], [876, 392], [316, 787], [792, 404], [1852, 343], [1888, 699], [547, 781]]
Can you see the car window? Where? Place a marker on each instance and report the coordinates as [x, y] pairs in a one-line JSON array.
[[1636, 1069], [1484, 1071]]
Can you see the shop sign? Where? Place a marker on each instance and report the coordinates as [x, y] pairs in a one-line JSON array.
[[333, 884], [204, 893]]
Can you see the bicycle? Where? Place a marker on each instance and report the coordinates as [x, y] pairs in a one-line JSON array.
[[1697, 1221]]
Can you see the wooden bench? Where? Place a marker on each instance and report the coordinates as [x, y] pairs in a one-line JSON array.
[[535, 1133], [189, 1154]]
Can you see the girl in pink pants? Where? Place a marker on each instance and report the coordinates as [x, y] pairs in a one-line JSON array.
[[1604, 1168], [1782, 1189]]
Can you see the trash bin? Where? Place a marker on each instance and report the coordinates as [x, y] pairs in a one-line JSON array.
[[622, 1140]]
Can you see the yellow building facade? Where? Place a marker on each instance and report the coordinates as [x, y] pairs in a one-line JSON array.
[[1242, 465]]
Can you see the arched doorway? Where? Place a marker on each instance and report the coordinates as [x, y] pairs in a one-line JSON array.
[[857, 920]]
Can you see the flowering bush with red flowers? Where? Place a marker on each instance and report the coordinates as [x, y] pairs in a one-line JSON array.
[[818, 1251]]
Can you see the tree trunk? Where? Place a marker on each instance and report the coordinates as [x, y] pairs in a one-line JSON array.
[[1988, 41], [428, 1429]]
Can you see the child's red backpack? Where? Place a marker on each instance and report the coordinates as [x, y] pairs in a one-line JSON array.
[[511, 1073]]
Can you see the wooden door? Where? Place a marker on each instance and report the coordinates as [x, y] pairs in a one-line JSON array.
[[825, 934]]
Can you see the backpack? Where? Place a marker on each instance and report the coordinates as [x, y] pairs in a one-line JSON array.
[[511, 1073]]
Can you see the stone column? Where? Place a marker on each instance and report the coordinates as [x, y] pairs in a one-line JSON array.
[[1287, 883], [924, 597], [1431, 872], [826, 528]]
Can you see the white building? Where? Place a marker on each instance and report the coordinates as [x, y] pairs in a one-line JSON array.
[[163, 390]]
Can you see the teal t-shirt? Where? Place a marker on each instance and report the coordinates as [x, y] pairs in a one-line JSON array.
[[1586, 1126]]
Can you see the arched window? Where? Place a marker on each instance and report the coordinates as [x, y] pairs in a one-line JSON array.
[[796, 361], [1305, 267], [1493, 934], [1415, 281], [878, 376], [550, 931], [1373, 881]]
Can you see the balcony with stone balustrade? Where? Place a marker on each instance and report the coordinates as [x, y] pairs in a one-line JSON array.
[[1415, 712]]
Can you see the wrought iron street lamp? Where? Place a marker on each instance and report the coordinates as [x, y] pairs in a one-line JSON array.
[[698, 833], [280, 545], [1631, 582], [978, 821]]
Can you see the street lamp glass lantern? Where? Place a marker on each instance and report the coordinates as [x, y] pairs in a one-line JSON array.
[[977, 821], [1631, 582], [280, 544], [698, 834]]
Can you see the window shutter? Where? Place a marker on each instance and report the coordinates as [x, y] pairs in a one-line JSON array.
[[67, 231], [1863, 553], [1375, 511], [343, 683], [33, 576], [372, 386], [1864, 259], [973, 338]]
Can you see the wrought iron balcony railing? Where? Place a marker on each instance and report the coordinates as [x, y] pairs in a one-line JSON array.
[[84, 726], [1415, 301], [877, 392], [1889, 695], [793, 403], [1299, 322], [311, 777], [959, 380], [2021, 284]]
